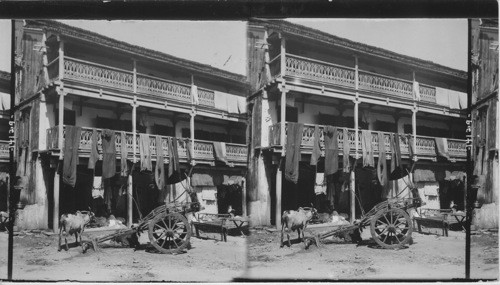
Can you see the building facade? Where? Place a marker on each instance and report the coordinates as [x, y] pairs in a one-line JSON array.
[[325, 109], [485, 117], [91, 113], [4, 138]]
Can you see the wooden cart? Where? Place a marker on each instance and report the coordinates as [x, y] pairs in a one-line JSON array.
[[168, 229]]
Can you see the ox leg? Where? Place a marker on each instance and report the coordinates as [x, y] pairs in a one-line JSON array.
[[60, 233], [288, 237], [298, 231], [66, 241], [282, 233]]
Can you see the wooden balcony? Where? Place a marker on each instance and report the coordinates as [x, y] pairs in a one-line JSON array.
[[203, 150], [426, 147], [344, 76], [123, 80], [4, 151]]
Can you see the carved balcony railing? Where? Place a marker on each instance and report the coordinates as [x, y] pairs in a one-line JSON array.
[[4, 150], [101, 75], [163, 88], [203, 150], [344, 76], [425, 146], [319, 71], [378, 83], [116, 78]]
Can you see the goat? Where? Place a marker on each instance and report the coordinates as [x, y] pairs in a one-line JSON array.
[[73, 224], [296, 220]]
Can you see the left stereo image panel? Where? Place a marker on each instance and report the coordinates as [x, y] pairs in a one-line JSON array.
[[130, 150]]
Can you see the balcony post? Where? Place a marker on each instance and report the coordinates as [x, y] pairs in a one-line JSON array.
[[414, 129], [356, 142], [191, 129], [279, 173], [134, 73], [61, 60], [134, 160], [283, 56], [356, 101], [45, 60], [55, 215]]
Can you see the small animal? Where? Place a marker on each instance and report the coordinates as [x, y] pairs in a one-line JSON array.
[[73, 224], [296, 220]]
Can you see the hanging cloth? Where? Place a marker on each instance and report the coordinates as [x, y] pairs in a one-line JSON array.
[[382, 163], [411, 151], [316, 151], [320, 184], [396, 165], [366, 144], [124, 154], [144, 152], [346, 149], [442, 147], [108, 154], [292, 158], [220, 152], [94, 153], [173, 155], [70, 160], [160, 168], [331, 150]]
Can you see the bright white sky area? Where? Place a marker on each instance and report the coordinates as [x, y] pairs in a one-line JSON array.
[[222, 44]]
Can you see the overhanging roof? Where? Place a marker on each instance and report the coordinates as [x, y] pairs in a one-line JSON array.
[[304, 32], [95, 38]]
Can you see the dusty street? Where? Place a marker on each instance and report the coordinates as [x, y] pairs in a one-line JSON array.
[[36, 258], [429, 257]]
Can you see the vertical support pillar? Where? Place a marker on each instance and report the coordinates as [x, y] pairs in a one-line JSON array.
[[55, 216], [191, 129], [134, 160], [45, 60], [279, 172], [134, 74], [244, 197], [61, 60], [356, 141], [414, 129], [282, 56]]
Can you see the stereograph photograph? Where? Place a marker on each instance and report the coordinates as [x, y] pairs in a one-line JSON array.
[[259, 149]]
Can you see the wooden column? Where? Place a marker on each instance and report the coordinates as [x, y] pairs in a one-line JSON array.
[[60, 129], [45, 60], [134, 160], [282, 56], [356, 141], [191, 129], [244, 196], [414, 129], [279, 176]]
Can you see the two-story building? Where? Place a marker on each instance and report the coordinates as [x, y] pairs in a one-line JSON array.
[[325, 110], [100, 121], [4, 136], [485, 117]]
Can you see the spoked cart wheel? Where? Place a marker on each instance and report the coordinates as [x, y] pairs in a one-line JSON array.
[[169, 233], [391, 228]]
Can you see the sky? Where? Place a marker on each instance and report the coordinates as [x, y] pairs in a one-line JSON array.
[[222, 44]]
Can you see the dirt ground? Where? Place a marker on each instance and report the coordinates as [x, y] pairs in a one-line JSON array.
[[430, 257], [36, 258]]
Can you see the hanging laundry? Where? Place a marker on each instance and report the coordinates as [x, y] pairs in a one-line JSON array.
[[346, 149], [94, 153], [194, 94], [331, 150], [220, 152], [366, 144], [70, 159], [108, 154], [382, 163], [144, 152], [160, 168], [293, 141], [187, 145], [320, 184], [411, 151], [396, 164], [316, 151], [173, 154], [442, 147], [124, 154], [416, 90]]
